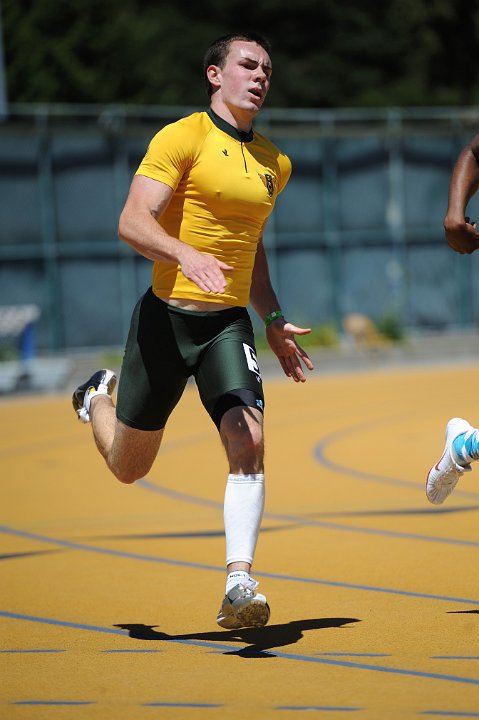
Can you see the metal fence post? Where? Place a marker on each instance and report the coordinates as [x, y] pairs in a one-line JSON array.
[[395, 215], [49, 233], [331, 215]]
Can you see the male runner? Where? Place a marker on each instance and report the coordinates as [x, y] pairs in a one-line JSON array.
[[198, 207]]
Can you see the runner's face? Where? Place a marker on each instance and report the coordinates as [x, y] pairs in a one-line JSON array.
[[245, 77]]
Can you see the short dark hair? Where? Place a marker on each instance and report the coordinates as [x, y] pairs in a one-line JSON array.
[[219, 49]]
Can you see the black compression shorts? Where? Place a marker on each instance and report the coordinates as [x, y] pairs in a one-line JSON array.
[[167, 345]]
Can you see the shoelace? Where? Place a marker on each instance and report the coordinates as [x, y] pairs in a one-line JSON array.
[[250, 585]]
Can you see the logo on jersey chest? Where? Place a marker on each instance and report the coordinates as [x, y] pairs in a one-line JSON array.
[[270, 183]]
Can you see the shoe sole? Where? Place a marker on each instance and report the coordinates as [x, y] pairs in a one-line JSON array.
[[450, 486], [229, 622], [255, 614]]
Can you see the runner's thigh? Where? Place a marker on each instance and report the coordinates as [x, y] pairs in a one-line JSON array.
[[153, 374]]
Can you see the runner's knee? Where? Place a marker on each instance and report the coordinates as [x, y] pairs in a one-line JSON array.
[[242, 435], [133, 453], [130, 473]]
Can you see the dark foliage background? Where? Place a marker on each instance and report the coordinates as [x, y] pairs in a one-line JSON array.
[[326, 53]]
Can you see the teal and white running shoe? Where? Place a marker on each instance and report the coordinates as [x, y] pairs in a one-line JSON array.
[[444, 475]]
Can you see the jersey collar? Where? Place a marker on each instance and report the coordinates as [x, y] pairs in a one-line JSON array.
[[233, 132]]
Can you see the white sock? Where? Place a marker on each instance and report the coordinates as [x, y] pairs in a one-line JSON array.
[[243, 510], [236, 577]]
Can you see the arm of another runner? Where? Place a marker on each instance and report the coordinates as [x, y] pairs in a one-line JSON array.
[[280, 334], [140, 227], [461, 234]]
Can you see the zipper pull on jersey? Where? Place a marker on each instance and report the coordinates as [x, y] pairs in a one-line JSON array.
[[244, 157]]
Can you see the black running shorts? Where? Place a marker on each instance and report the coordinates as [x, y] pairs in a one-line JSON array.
[[168, 345]]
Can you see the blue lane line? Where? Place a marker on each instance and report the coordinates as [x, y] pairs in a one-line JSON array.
[[215, 568], [319, 454], [344, 654], [111, 631], [184, 497], [370, 588], [15, 556], [450, 713], [375, 531], [235, 648], [379, 668], [64, 623], [454, 657], [106, 551], [177, 495]]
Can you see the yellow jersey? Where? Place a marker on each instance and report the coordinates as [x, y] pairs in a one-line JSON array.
[[225, 186]]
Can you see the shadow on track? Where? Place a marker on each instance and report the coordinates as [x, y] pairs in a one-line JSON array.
[[260, 640]]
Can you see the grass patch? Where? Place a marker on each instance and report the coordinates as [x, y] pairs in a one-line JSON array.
[[390, 327], [322, 336]]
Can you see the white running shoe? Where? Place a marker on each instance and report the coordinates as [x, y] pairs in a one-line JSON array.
[[101, 383], [243, 607], [443, 477]]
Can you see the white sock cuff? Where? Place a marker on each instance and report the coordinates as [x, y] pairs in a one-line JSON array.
[[234, 478], [235, 578], [89, 397], [102, 390]]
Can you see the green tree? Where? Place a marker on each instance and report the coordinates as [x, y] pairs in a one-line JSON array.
[[325, 53]]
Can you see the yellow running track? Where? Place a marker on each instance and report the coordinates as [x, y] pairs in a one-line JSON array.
[[109, 593]]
